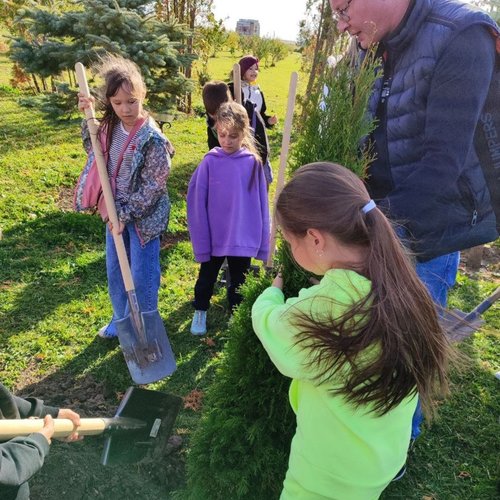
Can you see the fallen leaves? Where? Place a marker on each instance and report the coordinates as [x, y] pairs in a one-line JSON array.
[[209, 341], [194, 400]]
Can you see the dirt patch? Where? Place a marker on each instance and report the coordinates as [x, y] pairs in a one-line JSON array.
[[65, 199], [169, 240], [483, 261], [73, 470]]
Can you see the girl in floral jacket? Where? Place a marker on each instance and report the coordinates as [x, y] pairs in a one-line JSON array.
[[138, 162]]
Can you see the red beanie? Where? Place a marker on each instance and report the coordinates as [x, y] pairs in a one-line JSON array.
[[247, 62]]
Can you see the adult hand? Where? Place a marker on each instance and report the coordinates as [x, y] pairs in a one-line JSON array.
[[75, 418], [85, 102], [48, 428], [273, 120], [278, 281]]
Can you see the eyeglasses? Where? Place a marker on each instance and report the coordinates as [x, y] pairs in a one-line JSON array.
[[341, 14]]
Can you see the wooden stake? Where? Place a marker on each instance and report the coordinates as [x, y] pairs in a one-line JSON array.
[[285, 143], [237, 83]]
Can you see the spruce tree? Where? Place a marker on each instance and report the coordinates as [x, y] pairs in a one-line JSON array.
[[240, 450], [125, 27]]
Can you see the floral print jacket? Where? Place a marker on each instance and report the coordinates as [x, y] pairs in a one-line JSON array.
[[148, 204]]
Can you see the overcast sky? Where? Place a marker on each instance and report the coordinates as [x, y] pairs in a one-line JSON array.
[[277, 18]]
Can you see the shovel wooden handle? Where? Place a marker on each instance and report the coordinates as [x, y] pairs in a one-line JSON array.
[[63, 427], [93, 125], [237, 83], [285, 144]]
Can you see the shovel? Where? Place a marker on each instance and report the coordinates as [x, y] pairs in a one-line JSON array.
[[140, 429], [459, 325], [142, 336]]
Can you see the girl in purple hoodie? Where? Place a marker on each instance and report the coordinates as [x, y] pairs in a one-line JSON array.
[[227, 210]]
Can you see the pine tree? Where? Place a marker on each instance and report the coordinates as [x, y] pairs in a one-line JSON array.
[[125, 27], [241, 447]]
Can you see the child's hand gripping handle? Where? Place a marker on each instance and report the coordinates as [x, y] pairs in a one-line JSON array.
[[285, 143], [103, 176]]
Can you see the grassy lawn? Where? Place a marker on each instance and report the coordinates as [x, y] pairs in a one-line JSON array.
[[53, 299]]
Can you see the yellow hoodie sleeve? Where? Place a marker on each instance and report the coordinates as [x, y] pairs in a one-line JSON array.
[[272, 318]]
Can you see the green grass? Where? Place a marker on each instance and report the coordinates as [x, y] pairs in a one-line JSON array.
[[274, 81], [53, 295]]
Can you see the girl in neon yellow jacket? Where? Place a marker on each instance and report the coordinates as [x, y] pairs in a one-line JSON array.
[[361, 346]]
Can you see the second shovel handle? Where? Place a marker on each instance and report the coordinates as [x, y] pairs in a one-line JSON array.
[[237, 83], [11, 428]]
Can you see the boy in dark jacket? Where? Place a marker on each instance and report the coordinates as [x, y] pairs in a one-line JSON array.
[[22, 457]]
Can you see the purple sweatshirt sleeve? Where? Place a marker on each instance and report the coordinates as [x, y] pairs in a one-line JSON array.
[[197, 214], [264, 204]]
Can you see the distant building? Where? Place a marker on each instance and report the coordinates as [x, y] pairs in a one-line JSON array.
[[248, 27]]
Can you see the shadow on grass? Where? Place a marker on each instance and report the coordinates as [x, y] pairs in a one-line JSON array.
[[16, 125], [456, 455], [48, 262], [95, 392], [73, 470]]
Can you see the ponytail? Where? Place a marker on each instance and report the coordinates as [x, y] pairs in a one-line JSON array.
[[397, 320]]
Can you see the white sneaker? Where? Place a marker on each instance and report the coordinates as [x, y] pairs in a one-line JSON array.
[[104, 334], [199, 323]]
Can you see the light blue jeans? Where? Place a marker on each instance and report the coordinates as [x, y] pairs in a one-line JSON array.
[[438, 275], [144, 263]]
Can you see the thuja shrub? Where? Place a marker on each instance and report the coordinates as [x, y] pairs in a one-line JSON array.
[[240, 449]]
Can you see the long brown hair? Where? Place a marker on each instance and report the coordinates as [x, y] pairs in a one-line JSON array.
[[117, 72], [397, 326], [233, 116]]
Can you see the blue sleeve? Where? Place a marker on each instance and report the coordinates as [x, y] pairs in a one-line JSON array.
[[457, 94]]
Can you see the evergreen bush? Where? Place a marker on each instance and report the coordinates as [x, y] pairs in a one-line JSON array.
[[240, 450], [55, 41]]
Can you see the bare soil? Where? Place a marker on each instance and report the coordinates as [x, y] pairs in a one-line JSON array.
[[74, 470]]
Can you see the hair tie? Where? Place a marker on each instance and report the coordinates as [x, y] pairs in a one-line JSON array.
[[369, 206]]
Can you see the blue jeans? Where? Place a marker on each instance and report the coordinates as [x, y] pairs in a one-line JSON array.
[[438, 275], [144, 263]]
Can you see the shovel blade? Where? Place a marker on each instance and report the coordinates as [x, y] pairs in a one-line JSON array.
[[151, 360], [157, 411], [457, 328]]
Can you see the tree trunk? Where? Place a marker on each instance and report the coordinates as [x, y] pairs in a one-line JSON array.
[[35, 81], [474, 257], [317, 54]]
